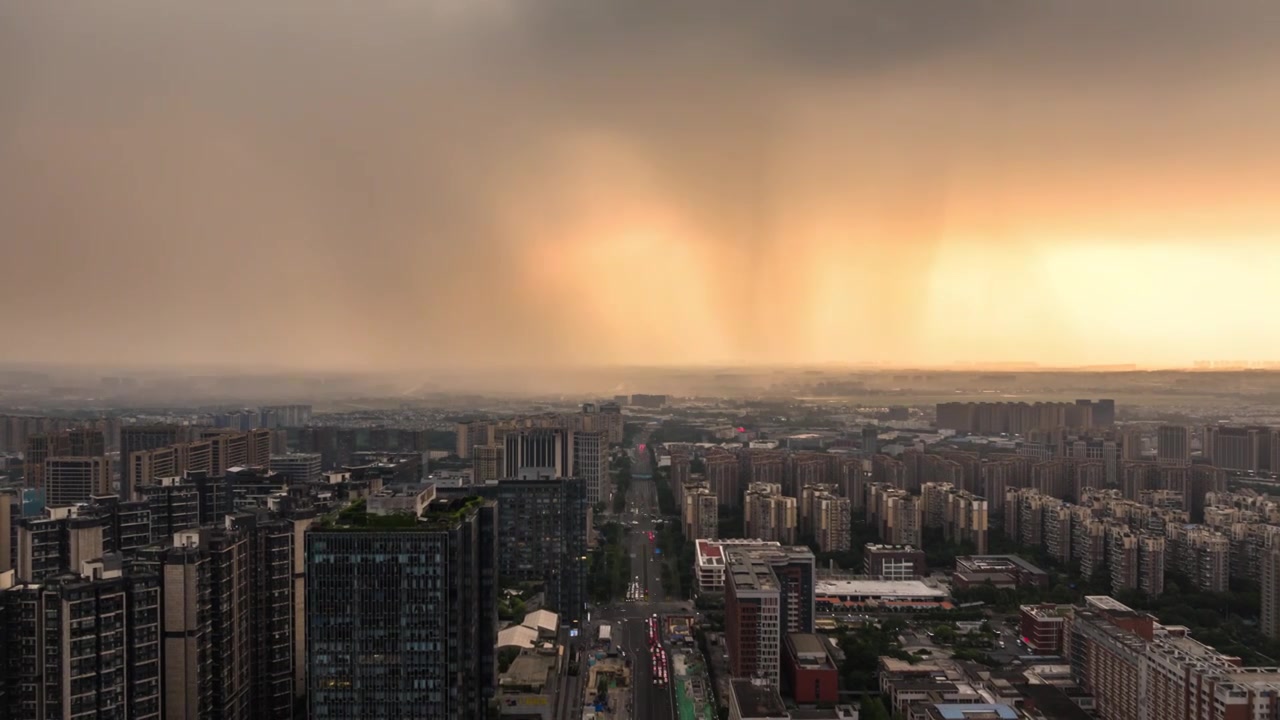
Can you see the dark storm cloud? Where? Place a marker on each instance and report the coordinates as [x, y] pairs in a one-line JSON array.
[[361, 184]]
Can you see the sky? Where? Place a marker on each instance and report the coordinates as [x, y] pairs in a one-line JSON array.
[[395, 184]]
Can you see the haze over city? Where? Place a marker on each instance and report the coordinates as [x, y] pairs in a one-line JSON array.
[[639, 360], [460, 184]]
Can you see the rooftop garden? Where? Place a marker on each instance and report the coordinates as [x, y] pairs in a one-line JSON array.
[[356, 517]]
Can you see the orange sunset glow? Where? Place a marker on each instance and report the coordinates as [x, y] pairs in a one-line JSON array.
[[454, 184]]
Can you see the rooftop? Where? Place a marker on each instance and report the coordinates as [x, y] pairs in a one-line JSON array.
[[438, 515], [810, 649], [1047, 612], [751, 574], [878, 588], [543, 620], [757, 701], [966, 710], [517, 636], [880, 547], [529, 671], [995, 563]]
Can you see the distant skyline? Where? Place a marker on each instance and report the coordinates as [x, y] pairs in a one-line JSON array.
[[567, 184]]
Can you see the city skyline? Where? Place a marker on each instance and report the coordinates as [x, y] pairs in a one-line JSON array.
[[434, 185]]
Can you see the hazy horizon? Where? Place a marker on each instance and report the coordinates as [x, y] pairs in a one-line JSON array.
[[561, 184]]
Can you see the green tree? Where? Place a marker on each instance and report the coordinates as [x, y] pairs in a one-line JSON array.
[[873, 709], [506, 656]]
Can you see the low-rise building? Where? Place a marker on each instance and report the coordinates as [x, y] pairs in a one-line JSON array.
[[834, 595], [527, 689], [809, 675], [936, 681], [1000, 570], [893, 562], [961, 711], [1043, 627], [755, 701]]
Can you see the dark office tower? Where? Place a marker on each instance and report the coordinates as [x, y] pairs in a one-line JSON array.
[[70, 639], [73, 480], [346, 445], [870, 440], [543, 526], [142, 437], [401, 613], [174, 504], [1104, 413], [543, 452], [271, 604]]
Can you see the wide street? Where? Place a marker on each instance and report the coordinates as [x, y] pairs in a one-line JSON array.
[[650, 702]]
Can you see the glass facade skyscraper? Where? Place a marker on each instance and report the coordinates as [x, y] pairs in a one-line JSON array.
[[402, 612]]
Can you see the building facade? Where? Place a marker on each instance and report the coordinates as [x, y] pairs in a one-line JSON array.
[[402, 618]]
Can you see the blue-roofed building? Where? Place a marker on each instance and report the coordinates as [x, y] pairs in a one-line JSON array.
[[961, 711]]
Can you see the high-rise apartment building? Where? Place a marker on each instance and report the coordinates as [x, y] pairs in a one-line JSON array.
[[1270, 614], [288, 415], [896, 514], [591, 462], [76, 442], [272, 654], [134, 438], [73, 480], [82, 644], [807, 507], [402, 613], [700, 513], [722, 474], [606, 418], [1018, 418], [487, 464], [205, 623], [679, 470], [870, 440], [174, 504], [965, 520], [1202, 555], [1137, 561], [55, 542], [1173, 445], [770, 515], [833, 523], [1237, 448]]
